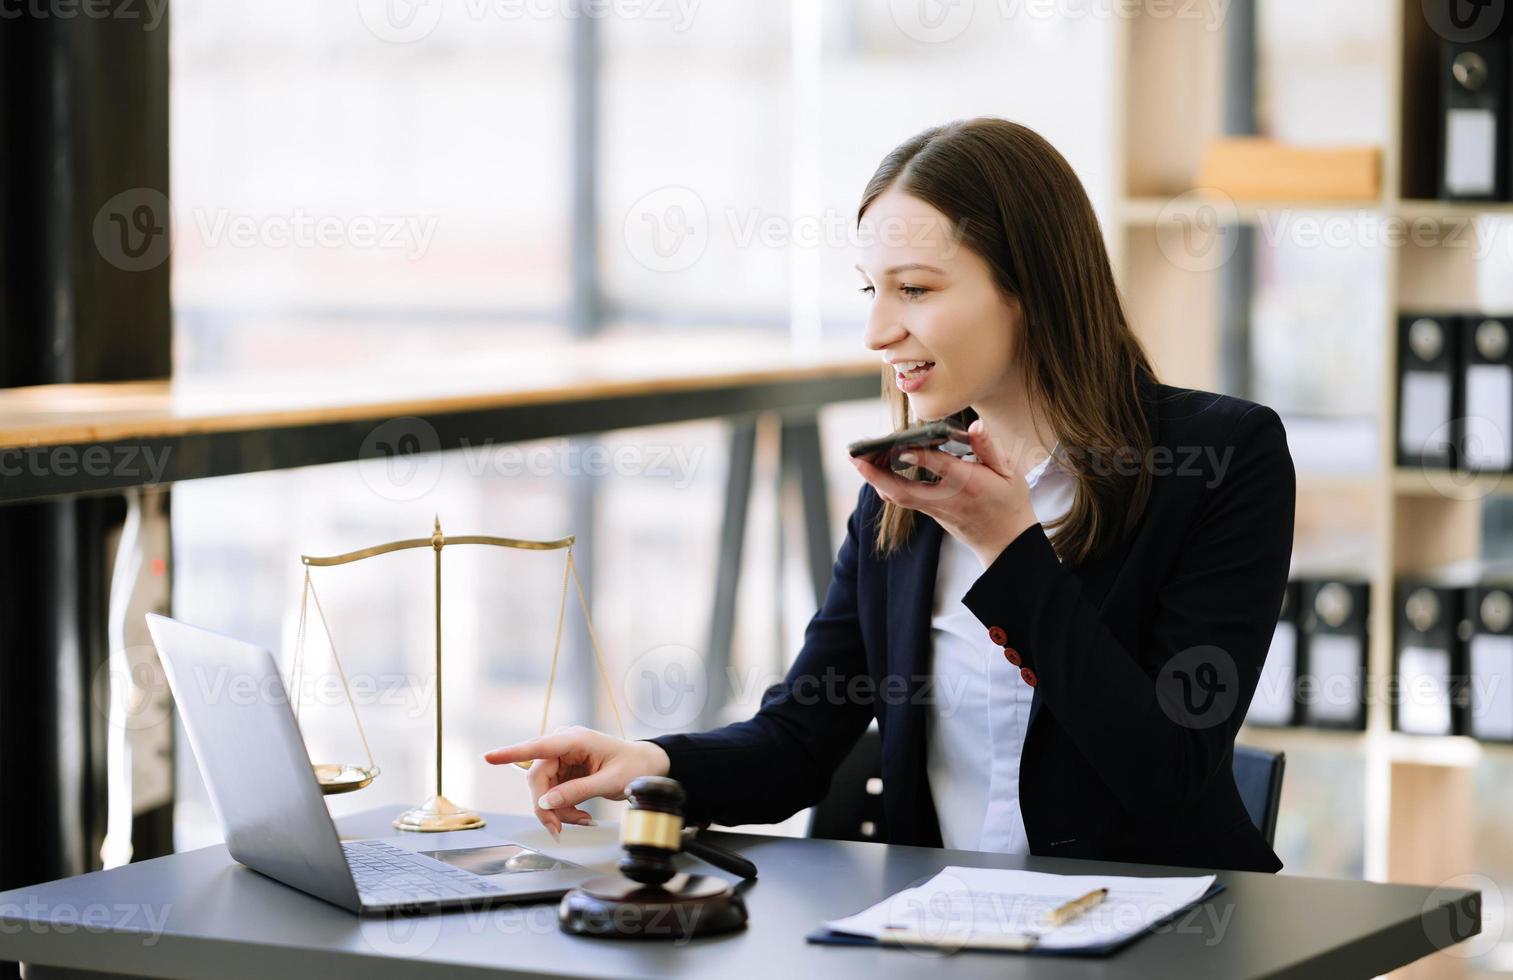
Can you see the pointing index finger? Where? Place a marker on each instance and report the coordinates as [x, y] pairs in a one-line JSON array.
[[522, 753]]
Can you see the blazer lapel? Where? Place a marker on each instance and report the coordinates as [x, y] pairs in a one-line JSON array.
[[911, 595]]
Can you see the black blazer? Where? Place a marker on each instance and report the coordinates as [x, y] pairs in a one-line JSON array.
[[1144, 662]]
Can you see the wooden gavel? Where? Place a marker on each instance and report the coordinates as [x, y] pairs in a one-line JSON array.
[[653, 832], [653, 900]]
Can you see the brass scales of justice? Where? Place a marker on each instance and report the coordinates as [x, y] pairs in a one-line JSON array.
[[437, 813]]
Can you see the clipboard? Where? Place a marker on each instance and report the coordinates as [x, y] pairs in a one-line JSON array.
[[826, 936]]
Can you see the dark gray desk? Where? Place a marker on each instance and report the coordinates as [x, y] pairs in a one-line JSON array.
[[220, 919]]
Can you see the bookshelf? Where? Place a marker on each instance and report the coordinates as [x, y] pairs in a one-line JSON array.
[[1418, 804]]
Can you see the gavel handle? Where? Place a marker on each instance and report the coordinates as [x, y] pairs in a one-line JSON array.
[[720, 857]]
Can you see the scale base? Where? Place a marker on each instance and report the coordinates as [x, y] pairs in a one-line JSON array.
[[618, 908], [438, 814]]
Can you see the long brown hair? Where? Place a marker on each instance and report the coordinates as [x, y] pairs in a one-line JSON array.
[[1015, 201]]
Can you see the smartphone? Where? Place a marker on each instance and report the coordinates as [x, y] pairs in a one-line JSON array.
[[932, 435]]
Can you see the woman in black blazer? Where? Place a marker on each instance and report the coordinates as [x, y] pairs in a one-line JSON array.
[[1138, 615]]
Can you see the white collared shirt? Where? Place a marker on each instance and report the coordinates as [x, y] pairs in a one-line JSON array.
[[975, 727]]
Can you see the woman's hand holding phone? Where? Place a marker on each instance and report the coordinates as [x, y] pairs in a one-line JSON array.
[[884, 451], [984, 504]]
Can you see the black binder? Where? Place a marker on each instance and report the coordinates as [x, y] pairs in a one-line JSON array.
[[1486, 436], [1428, 392], [1275, 703], [1332, 683], [1428, 659], [1490, 659], [1474, 138]]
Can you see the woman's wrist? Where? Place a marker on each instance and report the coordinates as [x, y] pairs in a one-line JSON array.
[[658, 762]]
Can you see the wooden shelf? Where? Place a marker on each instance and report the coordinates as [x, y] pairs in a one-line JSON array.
[[1455, 751], [1418, 796], [1314, 482], [1450, 484], [1451, 210], [1400, 748], [1302, 739], [1150, 211]]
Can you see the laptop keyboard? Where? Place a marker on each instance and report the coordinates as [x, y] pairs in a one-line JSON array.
[[388, 875]]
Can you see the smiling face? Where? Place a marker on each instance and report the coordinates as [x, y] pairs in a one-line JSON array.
[[934, 300]]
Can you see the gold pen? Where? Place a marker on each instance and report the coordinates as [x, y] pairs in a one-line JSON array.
[[1063, 914]]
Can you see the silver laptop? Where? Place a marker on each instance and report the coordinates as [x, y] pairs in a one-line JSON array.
[[236, 712]]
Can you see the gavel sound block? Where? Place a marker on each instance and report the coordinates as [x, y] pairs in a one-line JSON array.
[[651, 899]]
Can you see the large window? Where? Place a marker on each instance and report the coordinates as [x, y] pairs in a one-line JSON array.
[[342, 195], [732, 145]]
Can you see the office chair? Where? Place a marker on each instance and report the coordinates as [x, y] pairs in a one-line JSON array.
[[1258, 774], [853, 809]]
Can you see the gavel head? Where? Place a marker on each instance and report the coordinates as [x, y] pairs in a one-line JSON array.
[[652, 831]]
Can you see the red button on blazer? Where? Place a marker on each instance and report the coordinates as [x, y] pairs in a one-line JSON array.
[[1029, 676], [997, 635], [1012, 656]]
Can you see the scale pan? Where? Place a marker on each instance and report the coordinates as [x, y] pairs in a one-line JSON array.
[[338, 777]]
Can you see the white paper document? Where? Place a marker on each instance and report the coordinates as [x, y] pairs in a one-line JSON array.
[[1489, 393], [1425, 677], [994, 908], [1471, 151], [1424, 426], [1492, 686]]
